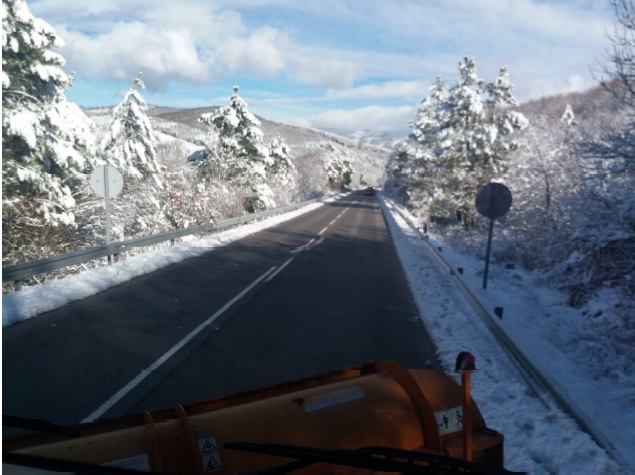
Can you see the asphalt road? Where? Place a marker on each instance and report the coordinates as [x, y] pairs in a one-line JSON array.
[[322, 291]]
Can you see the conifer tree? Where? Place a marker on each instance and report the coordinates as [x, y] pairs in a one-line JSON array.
[[130, 144], [239, 157], [422, 151], [463, 140], [47, 141], [338, 166]]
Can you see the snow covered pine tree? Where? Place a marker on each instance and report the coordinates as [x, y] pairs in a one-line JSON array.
[[129, 146], [241, 157], [47, 141], [463, 140]]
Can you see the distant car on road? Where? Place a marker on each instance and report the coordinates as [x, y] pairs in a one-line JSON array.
[[370, 191]]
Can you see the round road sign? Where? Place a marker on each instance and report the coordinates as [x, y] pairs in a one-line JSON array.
[[493, 200], [103, 179]]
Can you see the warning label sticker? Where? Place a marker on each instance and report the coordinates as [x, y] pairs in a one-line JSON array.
[[209, 454], [450, 420]]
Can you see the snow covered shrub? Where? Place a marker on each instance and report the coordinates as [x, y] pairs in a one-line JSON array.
[[338, 165], [607, 336], [311, 175], [281, 173], [398, 172]]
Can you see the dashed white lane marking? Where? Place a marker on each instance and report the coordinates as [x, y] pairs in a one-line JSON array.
[[279, 269], [305, 247], [333, 222], [154, 366]]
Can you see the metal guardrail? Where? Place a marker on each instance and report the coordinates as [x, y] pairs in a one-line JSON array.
[[16, 273], [540, 385]]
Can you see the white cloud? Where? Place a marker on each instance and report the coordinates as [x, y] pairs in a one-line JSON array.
[[162, 55], [195, 44], [299, 122], [548, 87], [258, 53], [321, 68], [366, 118], [405, 90]]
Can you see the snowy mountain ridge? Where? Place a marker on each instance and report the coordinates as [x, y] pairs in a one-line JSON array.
[[183, 125]]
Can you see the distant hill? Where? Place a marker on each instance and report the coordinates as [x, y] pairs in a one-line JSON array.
[[370, 154]]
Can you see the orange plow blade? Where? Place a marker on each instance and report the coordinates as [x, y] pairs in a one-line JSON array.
[[314, 425]]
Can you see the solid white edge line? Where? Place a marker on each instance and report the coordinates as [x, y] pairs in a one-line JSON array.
[[154, 366], [279, 269]]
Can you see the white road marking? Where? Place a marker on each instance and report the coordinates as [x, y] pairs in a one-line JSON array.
[[271, 276], [323, 230], [154, 366], [306, 247]]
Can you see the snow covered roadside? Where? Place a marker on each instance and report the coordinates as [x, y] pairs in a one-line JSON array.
[[538, 439]]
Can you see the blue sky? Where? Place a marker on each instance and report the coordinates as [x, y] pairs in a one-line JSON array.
[[343, 64]]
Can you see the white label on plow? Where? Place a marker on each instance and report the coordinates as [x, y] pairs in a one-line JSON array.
[[450, 420]]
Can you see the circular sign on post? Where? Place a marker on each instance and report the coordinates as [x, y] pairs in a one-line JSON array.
[[493, 200], [106, 179]]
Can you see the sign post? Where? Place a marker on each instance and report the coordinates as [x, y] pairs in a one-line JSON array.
[[107, 182], [492, 201]]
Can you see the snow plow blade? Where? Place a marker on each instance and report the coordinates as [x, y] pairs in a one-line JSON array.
[[373, 412]]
